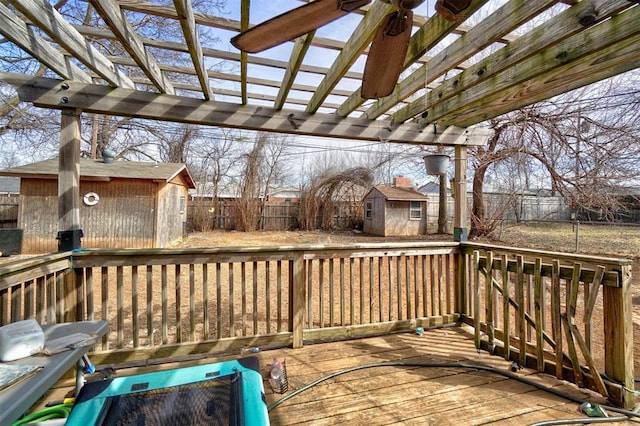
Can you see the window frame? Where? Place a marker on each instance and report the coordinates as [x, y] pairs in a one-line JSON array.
[[413, 209]]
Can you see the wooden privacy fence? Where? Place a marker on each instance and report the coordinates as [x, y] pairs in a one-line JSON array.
[[567, 315], [8, 211], [564, 314], [205, 214]]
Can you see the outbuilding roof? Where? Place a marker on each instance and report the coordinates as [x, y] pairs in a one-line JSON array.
[[98, 170], [394, 193]]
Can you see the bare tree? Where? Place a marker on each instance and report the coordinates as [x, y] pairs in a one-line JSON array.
[[323, 193], [212, 164], [583, 144], [263, 169]]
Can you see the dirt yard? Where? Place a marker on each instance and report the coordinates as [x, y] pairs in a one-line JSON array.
[[267, 238]]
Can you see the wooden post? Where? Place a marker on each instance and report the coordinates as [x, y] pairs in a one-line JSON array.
[[618, 332], [460, 267], [297, 293], [69, 233], [460, 231]]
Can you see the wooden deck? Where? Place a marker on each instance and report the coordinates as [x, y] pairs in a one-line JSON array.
[[405, 395]]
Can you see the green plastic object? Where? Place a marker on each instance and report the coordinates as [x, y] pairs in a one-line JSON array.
[[593, 410]]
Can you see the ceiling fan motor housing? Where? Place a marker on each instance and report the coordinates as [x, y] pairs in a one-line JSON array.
[[406, 4], [452, 9], [351, 5]]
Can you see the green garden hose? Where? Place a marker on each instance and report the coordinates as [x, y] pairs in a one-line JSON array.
[[61, 411]]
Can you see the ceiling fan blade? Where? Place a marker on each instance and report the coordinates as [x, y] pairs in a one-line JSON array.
[[293, 24], [386, 55]]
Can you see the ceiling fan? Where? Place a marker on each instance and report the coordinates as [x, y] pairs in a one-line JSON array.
[[388, 48]]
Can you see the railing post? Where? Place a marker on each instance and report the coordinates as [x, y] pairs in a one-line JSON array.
[[618, 332], [461, 282], [73, 296], [298, 296]]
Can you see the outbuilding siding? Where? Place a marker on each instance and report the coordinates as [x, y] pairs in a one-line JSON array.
[[138, 205]]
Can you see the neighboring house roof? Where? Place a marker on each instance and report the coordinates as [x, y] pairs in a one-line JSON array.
[[629, 191], [393, 193], [98, 170], [431, 188], [9, 185], [285, 193], [434, 188], [205, 189]]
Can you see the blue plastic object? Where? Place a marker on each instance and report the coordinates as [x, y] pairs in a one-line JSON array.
[[185, 395], [87, 367]]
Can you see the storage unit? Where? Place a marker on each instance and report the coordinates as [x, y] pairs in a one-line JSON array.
[[123, 204]]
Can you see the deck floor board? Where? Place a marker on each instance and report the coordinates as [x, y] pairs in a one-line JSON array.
[[406, 395]]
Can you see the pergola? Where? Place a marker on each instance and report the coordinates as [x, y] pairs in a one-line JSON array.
[[508, 54]]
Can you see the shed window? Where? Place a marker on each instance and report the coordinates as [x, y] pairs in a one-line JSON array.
[[368, 210], [182, 205], [415, 210]]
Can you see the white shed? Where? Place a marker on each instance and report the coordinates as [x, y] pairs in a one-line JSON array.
[[395, 210]]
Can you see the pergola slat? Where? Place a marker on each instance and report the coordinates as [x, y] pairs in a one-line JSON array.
[[187, 21], [18, 32], [577, 58], [547, 34], [50, 21], [300, 49], [358, 41], [124, 31], [492, 28], [426, 37]]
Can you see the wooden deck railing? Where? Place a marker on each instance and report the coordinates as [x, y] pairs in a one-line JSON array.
[[568, 315], [172, 303]]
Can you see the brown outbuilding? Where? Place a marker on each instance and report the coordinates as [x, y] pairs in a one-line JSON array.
[[122, 203]]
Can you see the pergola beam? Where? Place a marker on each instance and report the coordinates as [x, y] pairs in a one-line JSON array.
[[619, 58], [52, 93], [434, 30], [545, 36], [501, 22], [571, 63]]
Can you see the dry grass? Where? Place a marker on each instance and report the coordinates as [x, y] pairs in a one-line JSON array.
[[609, 241], [273, 238]]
